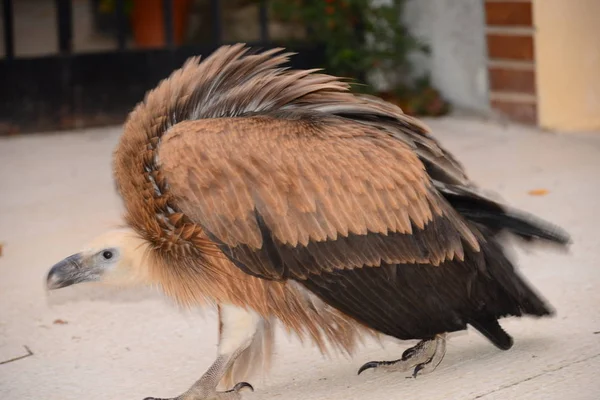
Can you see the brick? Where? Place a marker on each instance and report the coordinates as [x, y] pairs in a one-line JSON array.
[[512, 80], [509, 13], [510, 47], [517, 111]]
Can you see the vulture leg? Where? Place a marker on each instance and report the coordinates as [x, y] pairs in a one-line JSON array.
[[237, 329], [424, 358]]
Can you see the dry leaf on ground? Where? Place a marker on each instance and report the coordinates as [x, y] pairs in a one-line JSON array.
[[538, 192]]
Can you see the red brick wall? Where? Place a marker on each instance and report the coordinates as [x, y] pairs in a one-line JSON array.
[[511, 58]]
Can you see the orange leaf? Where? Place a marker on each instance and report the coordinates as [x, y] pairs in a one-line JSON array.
[[538, 192]]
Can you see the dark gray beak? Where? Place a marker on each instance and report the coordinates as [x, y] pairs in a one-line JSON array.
[[67, 272]]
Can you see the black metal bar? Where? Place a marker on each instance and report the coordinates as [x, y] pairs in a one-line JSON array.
[[96, 88], [216, 19], [9, 37], [121, 23], [64, 15], [264, 21], [168, 15]]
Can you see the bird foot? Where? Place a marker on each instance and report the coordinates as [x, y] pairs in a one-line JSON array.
[[424, 358], [196, 394]]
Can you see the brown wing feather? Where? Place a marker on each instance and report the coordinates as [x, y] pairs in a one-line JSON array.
[[231, 82], [290, 194]]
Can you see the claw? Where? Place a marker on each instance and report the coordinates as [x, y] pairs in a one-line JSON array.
[[422, 358], [217, 395], [408, 353], [371, 364], [241, 385], [417, 369]]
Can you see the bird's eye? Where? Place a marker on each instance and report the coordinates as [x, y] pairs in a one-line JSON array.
[[107, 255]]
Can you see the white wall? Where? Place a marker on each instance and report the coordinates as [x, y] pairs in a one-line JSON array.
[[455, 32]]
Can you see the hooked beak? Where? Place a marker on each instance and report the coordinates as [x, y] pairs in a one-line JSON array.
[[67, 272]]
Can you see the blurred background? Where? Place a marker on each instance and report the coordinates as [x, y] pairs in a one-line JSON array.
[[68, 64]]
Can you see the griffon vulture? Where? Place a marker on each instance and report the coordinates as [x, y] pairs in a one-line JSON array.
[[278, 195]]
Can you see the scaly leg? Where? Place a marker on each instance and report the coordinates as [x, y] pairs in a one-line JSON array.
[[238, 327], [424, 358]]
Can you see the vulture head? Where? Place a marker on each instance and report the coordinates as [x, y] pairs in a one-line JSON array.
[[115, 257]]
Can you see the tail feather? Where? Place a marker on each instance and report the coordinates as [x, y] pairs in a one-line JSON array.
[[507, 294], [525, 300], [482, 210], [529, 227], [521, 224], [491, 329]]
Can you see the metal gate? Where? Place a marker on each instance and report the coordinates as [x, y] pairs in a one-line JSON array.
[[71, 90]]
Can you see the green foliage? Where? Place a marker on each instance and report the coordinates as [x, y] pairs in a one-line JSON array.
[[358, 35], [110, 6]]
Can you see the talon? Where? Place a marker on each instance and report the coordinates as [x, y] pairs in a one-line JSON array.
[[417, 369], [423, 357], [412, 351], [371, 364], [408, 353], [241, 385]]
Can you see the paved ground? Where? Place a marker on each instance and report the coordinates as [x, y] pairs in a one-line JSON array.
[[56, 192]]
